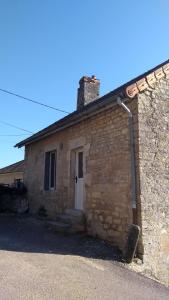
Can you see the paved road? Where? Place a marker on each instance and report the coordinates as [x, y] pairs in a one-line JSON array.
[[38, 264]]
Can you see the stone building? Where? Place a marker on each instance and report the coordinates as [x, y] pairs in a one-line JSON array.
[[110, 159], [13, 174]]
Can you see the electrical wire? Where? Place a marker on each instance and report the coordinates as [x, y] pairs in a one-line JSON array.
[[14, 134], [11, 125], [33, 101]]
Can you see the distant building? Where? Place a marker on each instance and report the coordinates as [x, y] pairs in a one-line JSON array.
[[13, 174]]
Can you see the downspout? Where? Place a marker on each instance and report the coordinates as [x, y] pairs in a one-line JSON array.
[[133, 158]]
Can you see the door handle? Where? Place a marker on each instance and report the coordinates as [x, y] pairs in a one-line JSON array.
[[76, 179]]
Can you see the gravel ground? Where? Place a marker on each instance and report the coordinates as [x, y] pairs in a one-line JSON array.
[[36, 263]]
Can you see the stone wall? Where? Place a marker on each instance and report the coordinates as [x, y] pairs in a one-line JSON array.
[[107, 196], [153, 107]]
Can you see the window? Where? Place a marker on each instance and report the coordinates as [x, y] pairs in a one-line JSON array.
[[18, 182], [50, 171], [80, 164]]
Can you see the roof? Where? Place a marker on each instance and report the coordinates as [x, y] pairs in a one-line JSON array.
[[17, 167], [129, 90]]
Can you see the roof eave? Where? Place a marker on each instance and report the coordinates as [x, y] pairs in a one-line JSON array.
[[78, 117]]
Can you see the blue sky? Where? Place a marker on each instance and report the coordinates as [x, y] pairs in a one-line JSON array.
[[47, 46]]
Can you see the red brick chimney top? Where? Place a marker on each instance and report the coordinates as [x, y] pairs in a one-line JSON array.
[[89, 79]]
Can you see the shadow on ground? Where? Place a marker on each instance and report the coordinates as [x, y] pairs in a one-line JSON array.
[[26, 234]]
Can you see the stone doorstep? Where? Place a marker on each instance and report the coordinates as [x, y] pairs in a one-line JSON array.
[[71, 222], [58, 226], [63, 218], [56, 223], [67, 219], [64, 228], [74, 213]]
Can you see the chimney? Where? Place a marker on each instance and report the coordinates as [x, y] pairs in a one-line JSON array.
[[88, 91]]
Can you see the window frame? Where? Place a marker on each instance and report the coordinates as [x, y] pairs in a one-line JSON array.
[[48, 170]]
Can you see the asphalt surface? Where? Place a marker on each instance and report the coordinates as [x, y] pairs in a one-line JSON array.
[[36, 263]]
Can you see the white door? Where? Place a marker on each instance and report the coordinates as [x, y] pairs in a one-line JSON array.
[[79, 166]]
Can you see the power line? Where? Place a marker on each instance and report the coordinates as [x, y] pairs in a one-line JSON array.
[[33, 101], [14, 134], [11, 125]]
